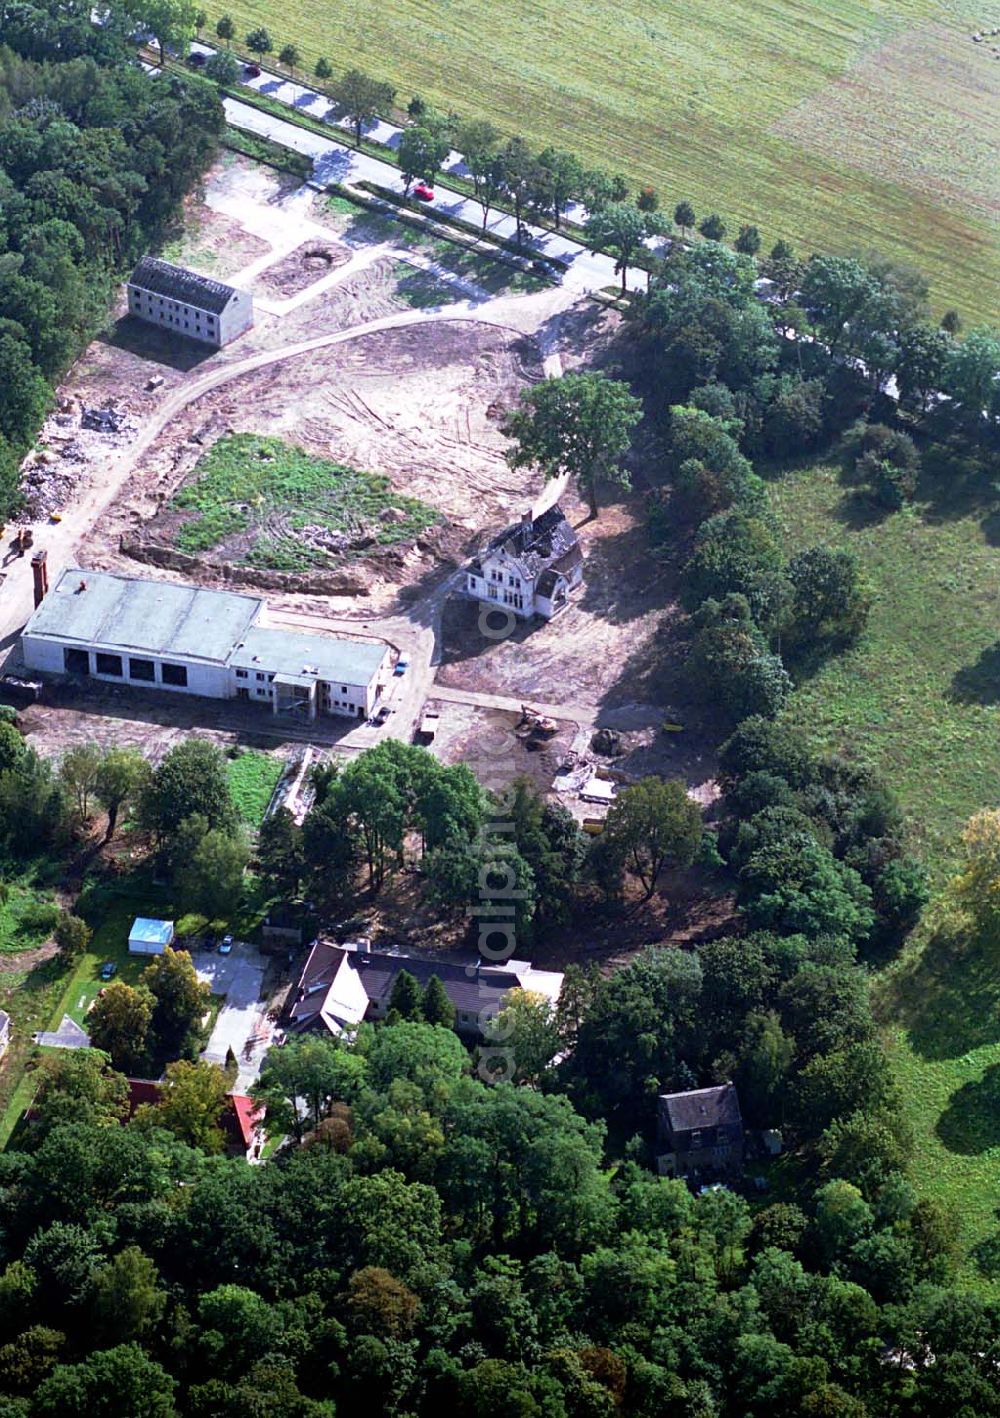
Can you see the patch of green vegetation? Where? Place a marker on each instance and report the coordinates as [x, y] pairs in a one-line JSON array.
[[743, 109], [27, 916], [272, 491], [253, 777], [917, 698], [252, 145], [422, 289], [29, 997]]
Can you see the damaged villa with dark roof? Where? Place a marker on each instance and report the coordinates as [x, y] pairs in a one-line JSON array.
[[531, 567]]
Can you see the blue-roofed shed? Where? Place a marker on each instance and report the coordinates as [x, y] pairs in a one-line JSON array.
[[149, 936]]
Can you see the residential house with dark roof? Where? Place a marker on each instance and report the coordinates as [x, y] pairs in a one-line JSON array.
[[187, 303], [531, 567], [341, 985], [700, 1134]]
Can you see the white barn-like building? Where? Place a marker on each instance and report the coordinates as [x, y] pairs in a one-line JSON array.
[[531, 568], [188, 304], [190, 640]]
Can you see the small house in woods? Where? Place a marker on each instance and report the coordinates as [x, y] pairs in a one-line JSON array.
[[341, 985], [188, 304], [531, 567], [149, 936], [241, 1119], [700, 1134]]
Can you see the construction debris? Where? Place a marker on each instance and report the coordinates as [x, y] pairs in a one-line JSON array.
[[102, 420]]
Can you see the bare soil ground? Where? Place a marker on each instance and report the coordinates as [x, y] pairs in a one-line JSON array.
[[121, 719], [485, 740], [601, 650], [414, 404], [300, 268]]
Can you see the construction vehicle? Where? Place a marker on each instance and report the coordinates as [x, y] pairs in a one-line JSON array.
[[536, 725]]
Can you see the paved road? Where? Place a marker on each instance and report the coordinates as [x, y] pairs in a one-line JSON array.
[[334, 162]]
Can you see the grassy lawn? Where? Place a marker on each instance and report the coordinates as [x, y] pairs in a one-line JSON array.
[[253, 777], [271, 504], [917, 698], [745, 109]]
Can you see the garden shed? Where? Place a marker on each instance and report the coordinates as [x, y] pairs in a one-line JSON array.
[[149, 936]]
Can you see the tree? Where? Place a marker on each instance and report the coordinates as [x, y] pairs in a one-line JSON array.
[[280, 852], [797, 885], [225, 29], [684, 216], [211, 880], [422, 149], [259, 42], [190, 779], [647, 200], [518, 165], [78, 771], [119, 1024], [122, 775], [12, 746], [361, 99], [26, 394], [976, 887], [748, 240], [128, 1301], [200, 21], [78, 1086], [924, 350], [312, 1068], [323, 69], [836, 291], [72, 935], [830, 600], [579, 424], [479, 143], [558, 178], [972, 376], [381, 1304], [173, 22], [222, 68], [108, 1384], [654, 824], [192, 1101], [621, 229], [406, 999], [712, 227], [290, 57], [525, 1027], [436, 1007], [181, 998], [729, 664]]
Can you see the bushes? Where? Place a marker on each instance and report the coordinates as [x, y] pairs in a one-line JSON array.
[[886, 460]]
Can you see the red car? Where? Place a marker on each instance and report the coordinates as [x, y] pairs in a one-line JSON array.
[[423, 193], [251, 71]]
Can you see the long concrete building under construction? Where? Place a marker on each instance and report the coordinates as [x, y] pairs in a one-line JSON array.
[[189, 640]]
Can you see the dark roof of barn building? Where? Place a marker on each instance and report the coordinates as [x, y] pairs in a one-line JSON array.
[[175, 283], [469, 986], [541, 542], [701, 1108]]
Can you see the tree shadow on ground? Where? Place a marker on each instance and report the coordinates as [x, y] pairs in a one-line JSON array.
[[978, 683], [970, 1124], [858, 510], [948, 996]]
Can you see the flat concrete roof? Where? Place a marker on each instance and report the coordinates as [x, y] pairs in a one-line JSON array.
[[322, 657], [129, 613]]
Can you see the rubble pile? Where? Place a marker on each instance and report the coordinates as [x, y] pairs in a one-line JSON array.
[[67, 444]]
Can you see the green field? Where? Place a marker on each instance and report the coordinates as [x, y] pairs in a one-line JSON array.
[[253, 777], [918, 699], [834, 123], [267, 503]]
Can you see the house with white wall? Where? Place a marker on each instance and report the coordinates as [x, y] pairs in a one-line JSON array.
[[531, 568], [187, 303]]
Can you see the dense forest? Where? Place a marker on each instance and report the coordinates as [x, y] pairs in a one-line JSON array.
[[95, 156]]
